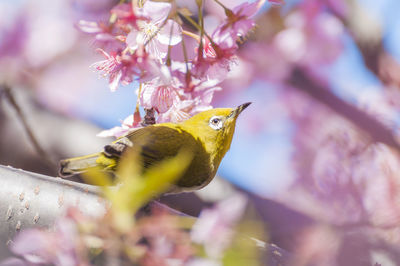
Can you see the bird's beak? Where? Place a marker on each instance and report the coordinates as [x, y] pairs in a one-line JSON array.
[[238, 110]]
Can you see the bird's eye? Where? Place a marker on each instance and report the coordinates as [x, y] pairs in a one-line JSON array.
[[215, 123]]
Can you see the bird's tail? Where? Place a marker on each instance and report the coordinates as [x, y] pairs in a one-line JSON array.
[[78, 164]]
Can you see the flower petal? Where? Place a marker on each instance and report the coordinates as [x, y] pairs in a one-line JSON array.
[[89, 26], [157, 49], [170, 34], [114, 80], [146, 93], [156, 11], [132, 39], [163, 98], [247, 9]]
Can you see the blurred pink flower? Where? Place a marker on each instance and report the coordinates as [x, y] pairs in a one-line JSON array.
[[338, 166], [214, 227], [90, 26], [14, 38], [58, 247], [311, 38], [103, 34], [340, 7], [155, 32], [125, 14], [167, 244], [112, 36]]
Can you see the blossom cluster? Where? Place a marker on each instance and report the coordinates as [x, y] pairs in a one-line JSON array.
[[148, 43]]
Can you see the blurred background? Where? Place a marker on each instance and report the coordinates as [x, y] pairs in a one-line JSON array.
[[317, 152]]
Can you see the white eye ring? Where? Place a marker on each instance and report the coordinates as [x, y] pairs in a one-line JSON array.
[[216, 123]]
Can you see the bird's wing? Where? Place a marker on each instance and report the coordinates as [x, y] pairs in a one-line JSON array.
[[154, 143], [162, 142]]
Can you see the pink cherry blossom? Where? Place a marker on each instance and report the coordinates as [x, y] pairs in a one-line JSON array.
[[214, 63], [239, 21], [155, 33], [177, 113], [124, 67], [158, 95], [139, 37], [111, 67], [217, 56]]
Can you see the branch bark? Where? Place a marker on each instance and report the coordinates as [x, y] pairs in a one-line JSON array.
[[33, 200]]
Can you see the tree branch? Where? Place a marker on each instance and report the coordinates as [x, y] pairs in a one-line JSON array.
[[29, 200], [6, 91], [375, 129]]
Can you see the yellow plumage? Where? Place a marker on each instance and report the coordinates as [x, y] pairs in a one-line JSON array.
[[207, 136]]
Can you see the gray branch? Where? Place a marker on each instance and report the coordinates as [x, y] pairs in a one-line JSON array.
[[30, 200]]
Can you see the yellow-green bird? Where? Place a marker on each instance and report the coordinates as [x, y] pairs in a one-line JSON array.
[[207, 135]]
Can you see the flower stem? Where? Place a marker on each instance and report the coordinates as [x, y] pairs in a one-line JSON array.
[[168, 61], [191, 34], [201, 22], [197, 26], [194, 23], [188, 75]]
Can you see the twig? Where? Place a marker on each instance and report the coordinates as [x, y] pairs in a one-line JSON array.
[[6, 90]]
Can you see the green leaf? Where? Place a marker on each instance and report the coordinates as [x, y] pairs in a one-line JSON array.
[[157, 179], [243, 249], [97, 177]]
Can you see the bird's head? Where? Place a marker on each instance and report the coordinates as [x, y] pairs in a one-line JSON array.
[[215, 128]]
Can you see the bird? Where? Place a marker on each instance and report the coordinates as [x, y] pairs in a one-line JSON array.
[[207, 135]]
